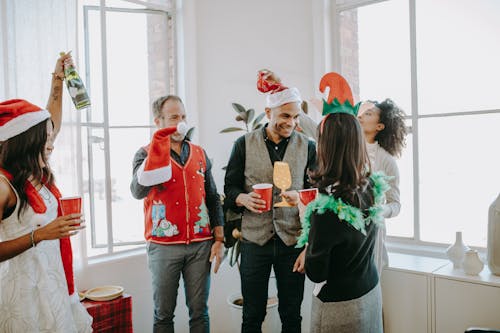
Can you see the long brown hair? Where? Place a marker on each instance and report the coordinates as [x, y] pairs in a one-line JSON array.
[[20, 156], [343, 165]]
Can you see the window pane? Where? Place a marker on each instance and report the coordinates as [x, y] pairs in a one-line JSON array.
[[95, 87], [459, 164], [140, 68], [94, 190], [113, 3], [375, 51], [138, 65], [402, 225], [458, 52], [128, 215]]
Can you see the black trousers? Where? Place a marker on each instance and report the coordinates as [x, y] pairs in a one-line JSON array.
[[255, 269]]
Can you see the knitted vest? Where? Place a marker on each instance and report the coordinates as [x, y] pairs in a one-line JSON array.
[[260, 228], [175, 211]]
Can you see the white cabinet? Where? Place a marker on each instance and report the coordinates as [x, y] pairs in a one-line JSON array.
[[423, 294], [405, 297], [407, 293], [463, 301]]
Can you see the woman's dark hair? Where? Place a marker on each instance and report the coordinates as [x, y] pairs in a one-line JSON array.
[[392, 137], [343, 162], [20, 156]]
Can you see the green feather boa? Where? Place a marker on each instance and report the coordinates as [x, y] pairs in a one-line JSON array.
[[345, 212]]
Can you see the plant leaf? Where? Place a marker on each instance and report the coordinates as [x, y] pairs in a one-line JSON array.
[[189, 133], [238, 108], [257, 126], [258, 119], [250, 114], [231, 129], [242, 113]]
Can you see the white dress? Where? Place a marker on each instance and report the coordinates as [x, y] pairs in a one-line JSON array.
[[33, 291]]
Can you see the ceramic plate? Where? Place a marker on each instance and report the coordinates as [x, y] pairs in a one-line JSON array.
[[104, 293]]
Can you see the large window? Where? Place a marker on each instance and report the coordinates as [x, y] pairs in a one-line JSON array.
[[443, 71], [129, 57]]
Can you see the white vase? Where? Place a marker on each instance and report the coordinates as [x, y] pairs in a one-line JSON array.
[[472, 264], [494, 237], [456, 251]]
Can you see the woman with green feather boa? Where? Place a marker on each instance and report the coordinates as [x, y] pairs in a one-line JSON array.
[[340, 227]]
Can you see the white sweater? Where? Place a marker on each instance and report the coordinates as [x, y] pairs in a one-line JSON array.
[[381, 160]]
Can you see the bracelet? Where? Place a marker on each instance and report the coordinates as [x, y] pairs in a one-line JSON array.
[[219, 239], [58, 76], [33, 244]]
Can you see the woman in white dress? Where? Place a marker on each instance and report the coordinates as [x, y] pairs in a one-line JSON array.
[[385, 132], [35, 252]]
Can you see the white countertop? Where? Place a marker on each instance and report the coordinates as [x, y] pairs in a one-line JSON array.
[[415, 264], [485, 277], [439, 268]]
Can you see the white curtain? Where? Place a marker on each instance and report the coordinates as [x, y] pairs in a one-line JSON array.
[[33, 33]]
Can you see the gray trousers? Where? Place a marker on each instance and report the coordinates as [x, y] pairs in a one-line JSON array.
[[166, 263], [359, 315]]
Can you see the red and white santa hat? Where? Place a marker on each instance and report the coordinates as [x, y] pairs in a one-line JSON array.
[[157, 168], [277, 94], [17, 116]]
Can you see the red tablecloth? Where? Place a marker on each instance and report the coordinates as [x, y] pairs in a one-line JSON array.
[[111, 316]]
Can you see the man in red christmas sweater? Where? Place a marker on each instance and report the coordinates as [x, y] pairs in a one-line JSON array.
[[183, 216]]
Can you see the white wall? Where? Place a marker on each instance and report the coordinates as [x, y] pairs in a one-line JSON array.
[[234, 39], [130, 272]]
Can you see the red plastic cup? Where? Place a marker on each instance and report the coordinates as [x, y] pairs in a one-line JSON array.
[[308, 195], [266, 193], [71, 205]]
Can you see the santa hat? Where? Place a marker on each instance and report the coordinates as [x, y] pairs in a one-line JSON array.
[[278, 94], [156, 168], [17, 116]]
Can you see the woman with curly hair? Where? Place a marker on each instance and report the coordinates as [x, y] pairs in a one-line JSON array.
[[385, 132]]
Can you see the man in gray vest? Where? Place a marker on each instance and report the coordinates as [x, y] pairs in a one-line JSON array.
[[269, 237]]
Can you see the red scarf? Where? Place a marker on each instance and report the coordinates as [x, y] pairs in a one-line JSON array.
[[36, 202]]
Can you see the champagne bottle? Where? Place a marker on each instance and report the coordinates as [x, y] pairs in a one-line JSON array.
[[75, 86]]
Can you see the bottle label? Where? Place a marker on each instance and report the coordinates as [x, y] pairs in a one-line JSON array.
[[76, 88]]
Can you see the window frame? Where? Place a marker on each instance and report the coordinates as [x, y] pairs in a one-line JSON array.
[[111, 246], [409, 245]]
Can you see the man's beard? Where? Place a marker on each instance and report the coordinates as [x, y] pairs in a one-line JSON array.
[[177, 137]]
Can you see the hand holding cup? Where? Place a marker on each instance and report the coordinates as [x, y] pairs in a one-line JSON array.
[[71, 205], [266, 193]]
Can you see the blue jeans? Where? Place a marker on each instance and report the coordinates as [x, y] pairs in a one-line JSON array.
[[166, 263], [256, 263]]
